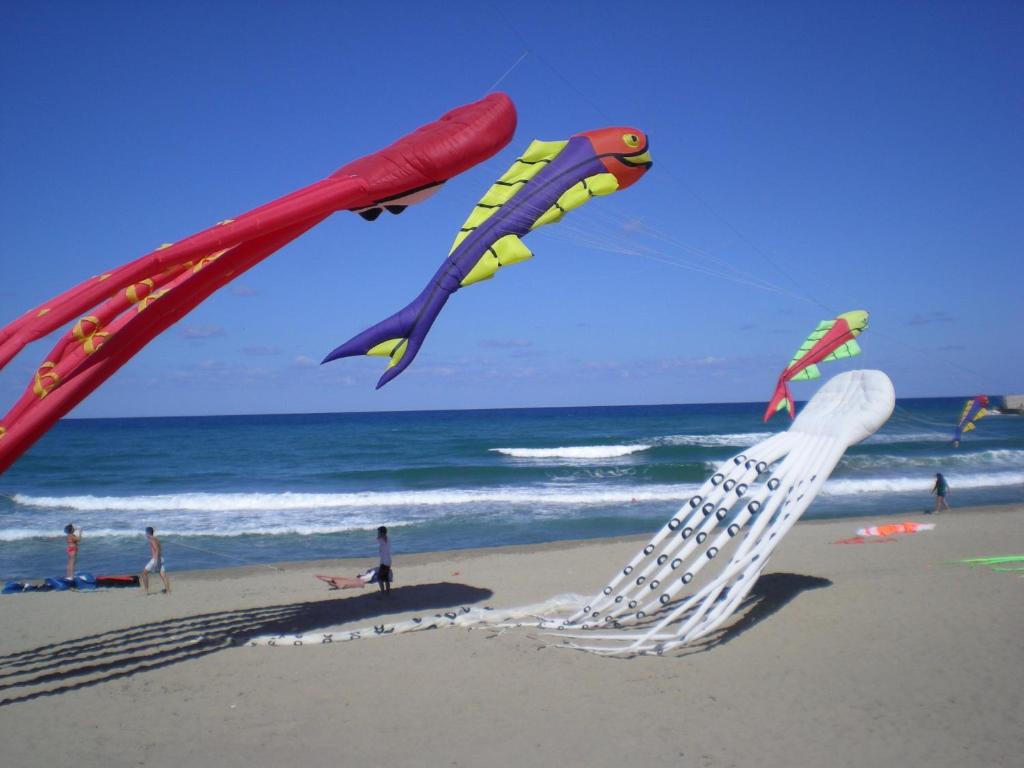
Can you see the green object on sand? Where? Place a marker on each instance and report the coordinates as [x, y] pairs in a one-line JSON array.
[[994, 560], [999, 563]]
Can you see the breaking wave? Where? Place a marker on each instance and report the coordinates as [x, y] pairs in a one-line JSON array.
[[573, 452]]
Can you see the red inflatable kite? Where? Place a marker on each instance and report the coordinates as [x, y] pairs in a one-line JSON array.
[[132, 304]]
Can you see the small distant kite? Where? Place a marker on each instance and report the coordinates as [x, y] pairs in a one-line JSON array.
[[122, 310], [974, 410], [831, 340], [549, 180]]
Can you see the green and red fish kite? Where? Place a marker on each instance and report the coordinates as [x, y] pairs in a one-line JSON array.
[[831, 340]]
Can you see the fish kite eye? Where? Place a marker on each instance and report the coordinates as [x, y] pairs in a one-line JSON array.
[[631, 140]]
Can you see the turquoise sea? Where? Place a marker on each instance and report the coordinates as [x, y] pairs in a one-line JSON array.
[[232, 490]]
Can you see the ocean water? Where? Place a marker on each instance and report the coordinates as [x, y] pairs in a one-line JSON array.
[[235, 490]]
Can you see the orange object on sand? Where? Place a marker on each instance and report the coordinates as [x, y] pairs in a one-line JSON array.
[[890, 529]]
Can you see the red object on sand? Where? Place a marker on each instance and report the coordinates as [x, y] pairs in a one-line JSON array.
[[862, 540]]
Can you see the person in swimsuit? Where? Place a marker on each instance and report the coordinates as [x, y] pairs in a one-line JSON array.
[[73, 538], [155, 564]]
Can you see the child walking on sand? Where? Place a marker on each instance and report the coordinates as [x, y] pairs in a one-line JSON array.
[[384, 569], [155, 564]]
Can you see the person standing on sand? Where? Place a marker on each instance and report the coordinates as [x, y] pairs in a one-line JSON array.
[[941, 490], [155, 564], [73, 539], [384, 569]]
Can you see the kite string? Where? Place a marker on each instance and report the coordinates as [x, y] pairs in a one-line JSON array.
[[230, 557], [508, 71], [713, 266], [807, 296], [803, 293], [601, 231]]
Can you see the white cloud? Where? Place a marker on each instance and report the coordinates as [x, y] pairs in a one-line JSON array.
[[506, 343], [261, 351], [927, 318], [202, 331]]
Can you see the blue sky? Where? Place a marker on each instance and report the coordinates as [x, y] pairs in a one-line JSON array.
[[810, 158]]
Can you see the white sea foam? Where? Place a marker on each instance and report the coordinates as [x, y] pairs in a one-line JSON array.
[[738, 439], [191, 528], [854, 486], [573, 452], [309, 502], [911, 437], [563, 494], [990, 459], [234, 514]]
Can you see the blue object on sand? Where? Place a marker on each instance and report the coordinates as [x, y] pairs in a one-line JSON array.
[[85, 581], [59, 583]]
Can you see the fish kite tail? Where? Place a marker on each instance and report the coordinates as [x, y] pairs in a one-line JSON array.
[[782, 398], [399, 337]]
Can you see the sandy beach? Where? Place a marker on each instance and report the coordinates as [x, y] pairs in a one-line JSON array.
[[848, 655]]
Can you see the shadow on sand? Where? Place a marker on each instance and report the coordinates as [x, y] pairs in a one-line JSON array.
[[770, 594], [55, 669]]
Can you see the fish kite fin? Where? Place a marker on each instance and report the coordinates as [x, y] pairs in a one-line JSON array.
[[528, 165], [593, 186], [849, 349], [505, 251], [808, 344], [809, 373], [782, 399], [370, 214]]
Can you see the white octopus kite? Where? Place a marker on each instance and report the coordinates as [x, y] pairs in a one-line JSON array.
[[735, 520]]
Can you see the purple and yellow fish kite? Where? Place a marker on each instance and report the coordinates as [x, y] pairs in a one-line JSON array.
[[550, 179]]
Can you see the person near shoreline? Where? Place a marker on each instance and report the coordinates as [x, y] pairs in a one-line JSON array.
[[384, 569], [155, 564], [941, 490], [74, 537]]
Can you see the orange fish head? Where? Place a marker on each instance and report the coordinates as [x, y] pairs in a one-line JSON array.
[[624, 152]]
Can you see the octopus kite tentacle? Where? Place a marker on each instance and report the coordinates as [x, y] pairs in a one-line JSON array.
[[736, 519]]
